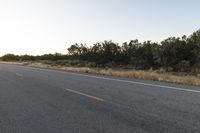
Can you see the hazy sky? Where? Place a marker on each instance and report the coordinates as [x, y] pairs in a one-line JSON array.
[[48, 26]]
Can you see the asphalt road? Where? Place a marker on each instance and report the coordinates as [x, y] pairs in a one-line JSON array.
[[36, 100]]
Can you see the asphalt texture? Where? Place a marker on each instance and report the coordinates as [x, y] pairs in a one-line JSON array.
[[34, 100]]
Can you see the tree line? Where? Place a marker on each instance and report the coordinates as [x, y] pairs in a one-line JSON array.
[[171, 54]]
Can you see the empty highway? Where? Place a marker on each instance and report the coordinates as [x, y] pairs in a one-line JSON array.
[[34, 100]]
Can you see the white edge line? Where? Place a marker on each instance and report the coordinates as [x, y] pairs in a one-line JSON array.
[[119, 80]]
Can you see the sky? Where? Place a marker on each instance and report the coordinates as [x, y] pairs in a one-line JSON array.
[[47, 26]]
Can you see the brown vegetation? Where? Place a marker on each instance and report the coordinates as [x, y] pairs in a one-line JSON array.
[[139, 74]]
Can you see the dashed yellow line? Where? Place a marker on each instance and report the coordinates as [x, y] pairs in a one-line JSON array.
[[20, 75], [86, 95]]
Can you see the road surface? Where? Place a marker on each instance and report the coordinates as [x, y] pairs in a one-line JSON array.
[[34, 100]]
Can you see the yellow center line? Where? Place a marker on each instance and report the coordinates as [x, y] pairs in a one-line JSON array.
[[20, 75], [86, 95]]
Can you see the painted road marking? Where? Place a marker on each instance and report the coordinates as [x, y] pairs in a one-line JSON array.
[[119, 80], [84, 94], [20, 75], [99, 99]]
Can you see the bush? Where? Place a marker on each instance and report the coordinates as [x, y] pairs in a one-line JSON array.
[[172, 54]]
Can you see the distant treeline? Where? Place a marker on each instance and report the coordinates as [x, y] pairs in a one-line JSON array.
[[51, 57], [172, 54]]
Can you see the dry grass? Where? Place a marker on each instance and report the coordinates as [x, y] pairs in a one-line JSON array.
[[151, 75], [17, 63], [139, 74]]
